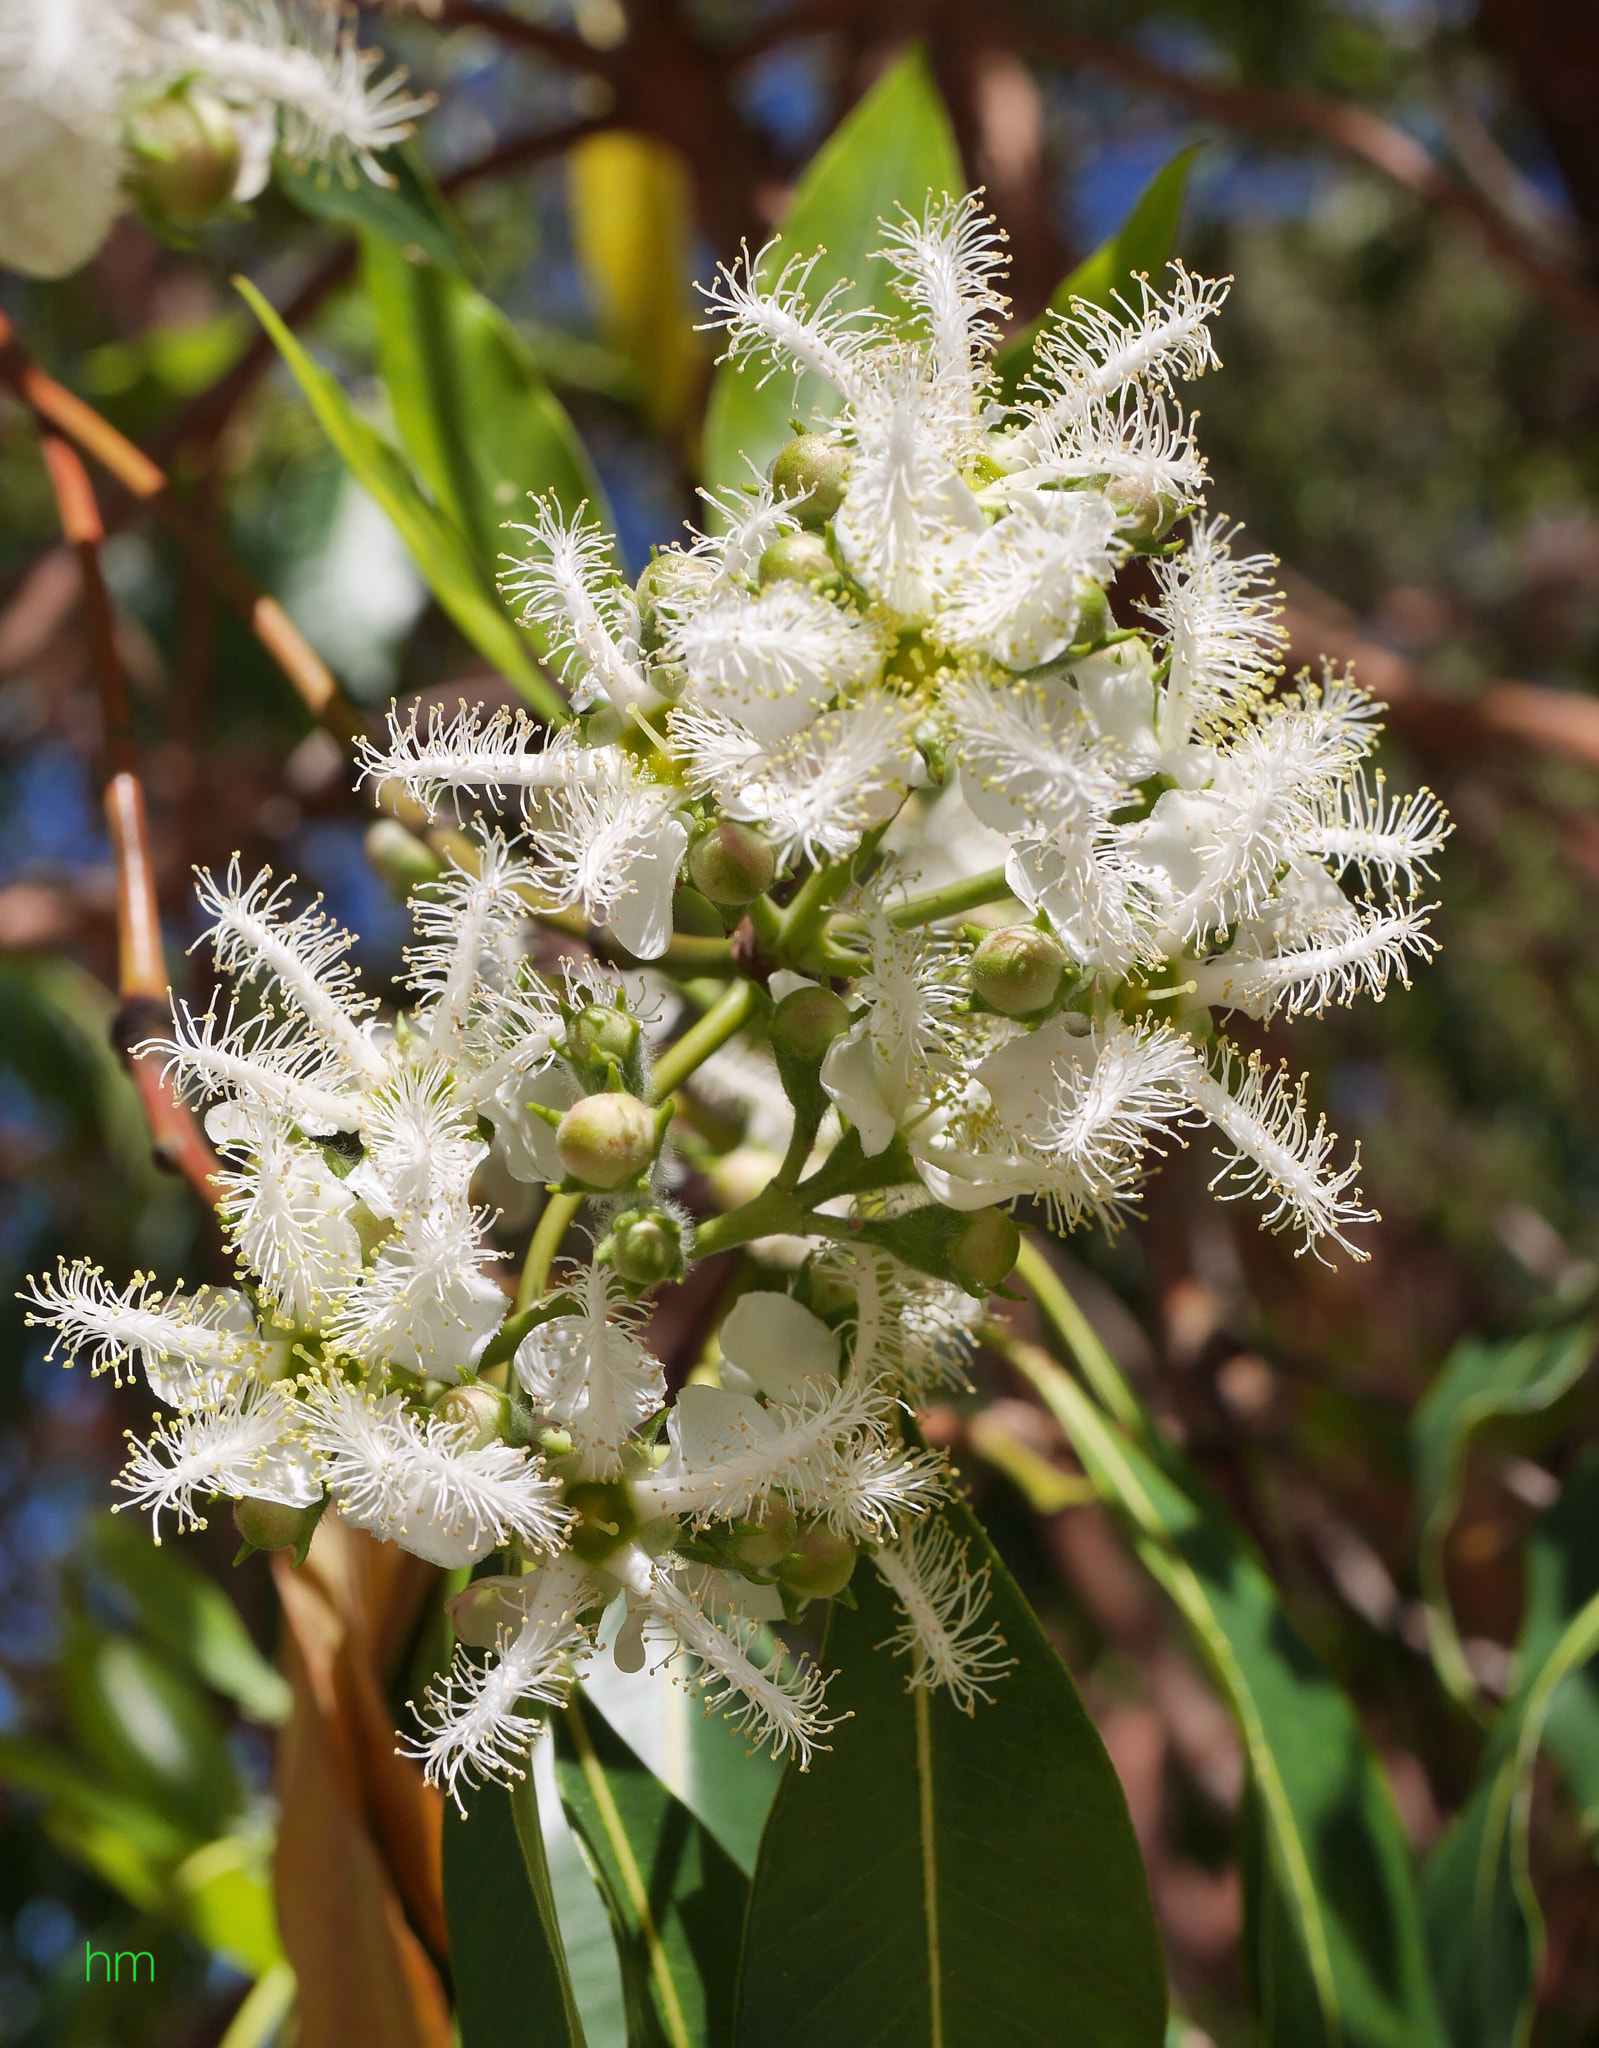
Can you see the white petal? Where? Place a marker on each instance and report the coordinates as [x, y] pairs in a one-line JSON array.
[[778, 1343]]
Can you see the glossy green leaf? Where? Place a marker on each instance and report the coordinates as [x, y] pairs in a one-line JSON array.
[[224, 1892], [700, 1758], [436, 543], [1484, 1925], [481, 426], [190, 1615], [258, 2023], [676, 1899], [411, 213], [512, 1986], [1478, 1382], [892, 149], [591, 1958], [1142, 244], [1333, 1929], [939, 1878]]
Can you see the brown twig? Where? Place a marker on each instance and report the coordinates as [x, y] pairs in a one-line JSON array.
[[68, 416], [141, 965], [554, 43], [1354, 129]]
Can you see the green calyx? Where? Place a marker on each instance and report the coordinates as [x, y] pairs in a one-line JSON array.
[[808, 477], [477, 1406], [273, 1525], [818, 1567], [604, 1518], [183, 155], [796, 558], [645, 1246], [609, 1140], [1018, 970], [732, 864], [806, 1022]]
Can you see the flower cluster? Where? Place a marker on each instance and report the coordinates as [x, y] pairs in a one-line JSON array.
[[886, 694], [177, 107]]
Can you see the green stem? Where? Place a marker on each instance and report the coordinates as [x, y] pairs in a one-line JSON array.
[[1081, 1339], [558, 1213], [730, 1012], [766, 921], [988, 887], [772, 1212], [821, 889]]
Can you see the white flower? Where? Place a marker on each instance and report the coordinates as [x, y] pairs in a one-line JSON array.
[[183, 1342], [773, 660], [943, 1602], [244, 1445], [569, 587], [589, 1375]]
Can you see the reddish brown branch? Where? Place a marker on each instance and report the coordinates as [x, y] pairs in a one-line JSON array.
[[61, 410], [141, 965], [1354, 129]]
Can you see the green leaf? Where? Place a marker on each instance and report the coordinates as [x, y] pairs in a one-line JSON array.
[[1484, 1924], [893, 149], [411, 213], [938, 1878], [189, 1614], [1479, 1381], [1142, 244], [440, 551], [225, 1895], [676, 1899], [147, 1728], [479, 423], [512, 1987], [700, 1758], [127, 1844], [1333, 1929]]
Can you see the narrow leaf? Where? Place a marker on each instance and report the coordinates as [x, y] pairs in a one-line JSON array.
[[411, 213], [1484, 1925], [435, 541], [676, 1899], [943, 1881], [1143, 243], [894, 148], [512, 1988], [1334, 1939], [190, 1615], [481, 426], [1478, 1382]]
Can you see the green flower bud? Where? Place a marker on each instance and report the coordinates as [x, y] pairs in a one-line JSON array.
[[808, 475], [819, 1565], [983, 1252], [481, 1406], [486, 1610], [796, 558], [1017, 970], [766, 1538], [732, 864], [403, 860], [1146, 515], [601, 1034], [606, 1518], [646, 1245], [607, 1140], [183, 154], [272, 1525], [1093, 613], [658, 579], [807, 1020]]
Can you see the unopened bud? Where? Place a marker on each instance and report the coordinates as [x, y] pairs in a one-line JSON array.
[[732, 864], [183, 151], [819, 1565], [605, 1518], [403, 860], [983, 1252], [660, 576], [273, 1525], [600, 1034], [808, 477], [486, 1610], [605, 1141], [1145, 514], [796, 558], [646, 1245], [807, 1020], [1093, 613], [481, 1407], [1017, 970], [766, 1537]]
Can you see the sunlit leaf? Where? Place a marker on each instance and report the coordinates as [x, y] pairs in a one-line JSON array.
[[938, 1878], [411, 213], [436, 543], [190, 1615], [1478, 1382], [893, 149], [225, 1895], [481, 426]]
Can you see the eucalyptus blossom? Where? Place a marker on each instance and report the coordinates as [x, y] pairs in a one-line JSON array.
[[996, 851]]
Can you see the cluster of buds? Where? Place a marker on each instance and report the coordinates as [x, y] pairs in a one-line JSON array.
[[887, 695], [177, 108]]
